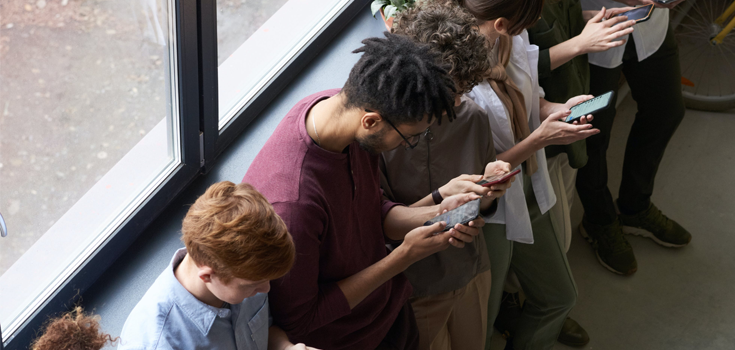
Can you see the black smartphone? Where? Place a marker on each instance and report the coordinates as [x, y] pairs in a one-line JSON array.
[[591, 106], [462, 215], [639, 14], [664, 1]]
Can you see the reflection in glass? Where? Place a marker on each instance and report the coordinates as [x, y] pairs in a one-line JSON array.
[[87, 117], [256, 39]]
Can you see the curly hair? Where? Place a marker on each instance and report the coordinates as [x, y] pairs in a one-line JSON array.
[[451, 31], [234, 230], [403, 80], [74, 330]]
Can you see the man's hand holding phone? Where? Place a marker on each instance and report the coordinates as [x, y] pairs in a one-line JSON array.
[[426, 240], [461, 234]]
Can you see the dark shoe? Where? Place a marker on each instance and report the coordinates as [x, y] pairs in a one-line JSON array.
[[509, 314], [612, 249], [572, 334], [655, 225]]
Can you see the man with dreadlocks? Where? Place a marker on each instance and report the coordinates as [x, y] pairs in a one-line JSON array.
[[319, 169]]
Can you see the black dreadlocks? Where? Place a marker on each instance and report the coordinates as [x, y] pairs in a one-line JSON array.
[[402, 80]]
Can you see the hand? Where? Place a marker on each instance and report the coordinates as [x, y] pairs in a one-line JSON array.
[[670, 5], [562, 107], [463, 184], [461, 234], [553, 131], [600, 35], [574, 101], [496, 168], [299, 346]]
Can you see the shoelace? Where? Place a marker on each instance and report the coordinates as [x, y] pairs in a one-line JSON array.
[[618, 243], [659, 220]]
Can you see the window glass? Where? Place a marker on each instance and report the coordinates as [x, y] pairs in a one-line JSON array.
[[258, 38], [88, 130]]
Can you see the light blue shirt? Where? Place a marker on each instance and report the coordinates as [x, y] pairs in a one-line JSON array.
[[169, 317]]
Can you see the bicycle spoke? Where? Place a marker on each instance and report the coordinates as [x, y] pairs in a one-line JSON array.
[[729, 64]]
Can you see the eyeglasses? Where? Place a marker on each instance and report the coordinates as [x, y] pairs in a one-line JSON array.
[[415, 138]]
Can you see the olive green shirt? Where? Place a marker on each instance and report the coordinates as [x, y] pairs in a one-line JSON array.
[[560, 21], [464, 146]]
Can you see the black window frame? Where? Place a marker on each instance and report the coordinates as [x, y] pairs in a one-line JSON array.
[[201, 141]]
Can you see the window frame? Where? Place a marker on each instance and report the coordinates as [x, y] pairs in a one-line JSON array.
[[201, 141]]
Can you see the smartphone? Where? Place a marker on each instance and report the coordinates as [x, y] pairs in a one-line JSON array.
[[664, 1], [462, 214], [591, 106], [496, 179], [639, 14]]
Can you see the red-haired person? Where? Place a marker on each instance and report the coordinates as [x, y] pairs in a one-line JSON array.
[[75, 330], [214, 295]]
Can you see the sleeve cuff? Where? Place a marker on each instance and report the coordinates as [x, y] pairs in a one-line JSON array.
[[544, 64], [490, 212]]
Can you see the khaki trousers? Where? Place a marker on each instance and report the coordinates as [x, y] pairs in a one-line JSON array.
[[455, 320]]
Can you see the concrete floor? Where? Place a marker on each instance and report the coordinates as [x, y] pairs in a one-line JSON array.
[[679, 298]]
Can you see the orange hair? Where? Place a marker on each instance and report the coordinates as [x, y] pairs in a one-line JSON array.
[[235, 231], [75, 330]]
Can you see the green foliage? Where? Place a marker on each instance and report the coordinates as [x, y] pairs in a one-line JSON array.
[[390, 7]]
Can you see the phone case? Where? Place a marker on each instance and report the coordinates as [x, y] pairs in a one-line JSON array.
[[570, 119], [496, 179], [460, 215]]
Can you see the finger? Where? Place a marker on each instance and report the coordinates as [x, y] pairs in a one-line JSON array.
[[615, 43], [475, 188], [599, 16], [613, 20], [469, 177], [464, 237], [456, 243], [477, 223]]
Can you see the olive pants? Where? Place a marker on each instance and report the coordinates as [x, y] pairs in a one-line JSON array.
[[543, 272]]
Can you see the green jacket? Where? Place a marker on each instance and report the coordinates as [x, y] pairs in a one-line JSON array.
[[560, 21]]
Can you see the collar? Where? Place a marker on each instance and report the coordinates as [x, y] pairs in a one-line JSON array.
[[199, 313]]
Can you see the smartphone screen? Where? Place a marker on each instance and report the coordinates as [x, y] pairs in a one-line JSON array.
[[639, 14], [590, 106], [460, 215]]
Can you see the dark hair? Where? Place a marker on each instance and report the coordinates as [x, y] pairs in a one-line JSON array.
[[521, 14], [402, 80], [452, 31]]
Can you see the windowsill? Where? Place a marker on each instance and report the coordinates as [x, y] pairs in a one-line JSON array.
[[115, 294], [57, 254]]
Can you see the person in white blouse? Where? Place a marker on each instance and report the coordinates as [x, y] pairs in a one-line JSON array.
[[650, 62], [522, 124]]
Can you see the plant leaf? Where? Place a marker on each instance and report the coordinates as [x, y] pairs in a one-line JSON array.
[[390, 11], [377, 5]]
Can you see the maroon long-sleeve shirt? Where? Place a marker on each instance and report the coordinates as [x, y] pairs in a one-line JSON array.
[[333, 207]]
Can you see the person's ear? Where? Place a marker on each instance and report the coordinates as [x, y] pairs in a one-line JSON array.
[[501, 25], [205, 273], [370, 121]]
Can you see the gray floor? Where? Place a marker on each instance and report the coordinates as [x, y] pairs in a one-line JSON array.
[[679, 298]]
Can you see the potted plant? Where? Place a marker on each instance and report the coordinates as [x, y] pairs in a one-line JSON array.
[[389, 8]]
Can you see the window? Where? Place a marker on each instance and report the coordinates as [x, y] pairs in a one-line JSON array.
[[108, 109], [263, 36], [88, 121]]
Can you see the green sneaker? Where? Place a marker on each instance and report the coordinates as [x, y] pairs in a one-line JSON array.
[[655, 225], [612, 249]]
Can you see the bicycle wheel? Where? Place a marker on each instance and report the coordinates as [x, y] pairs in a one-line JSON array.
[[708, 70]]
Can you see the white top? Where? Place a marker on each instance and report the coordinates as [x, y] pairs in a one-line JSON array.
[[648, 35], [512, 208]]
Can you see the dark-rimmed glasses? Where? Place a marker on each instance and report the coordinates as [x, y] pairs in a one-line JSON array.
[[407, 140]]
